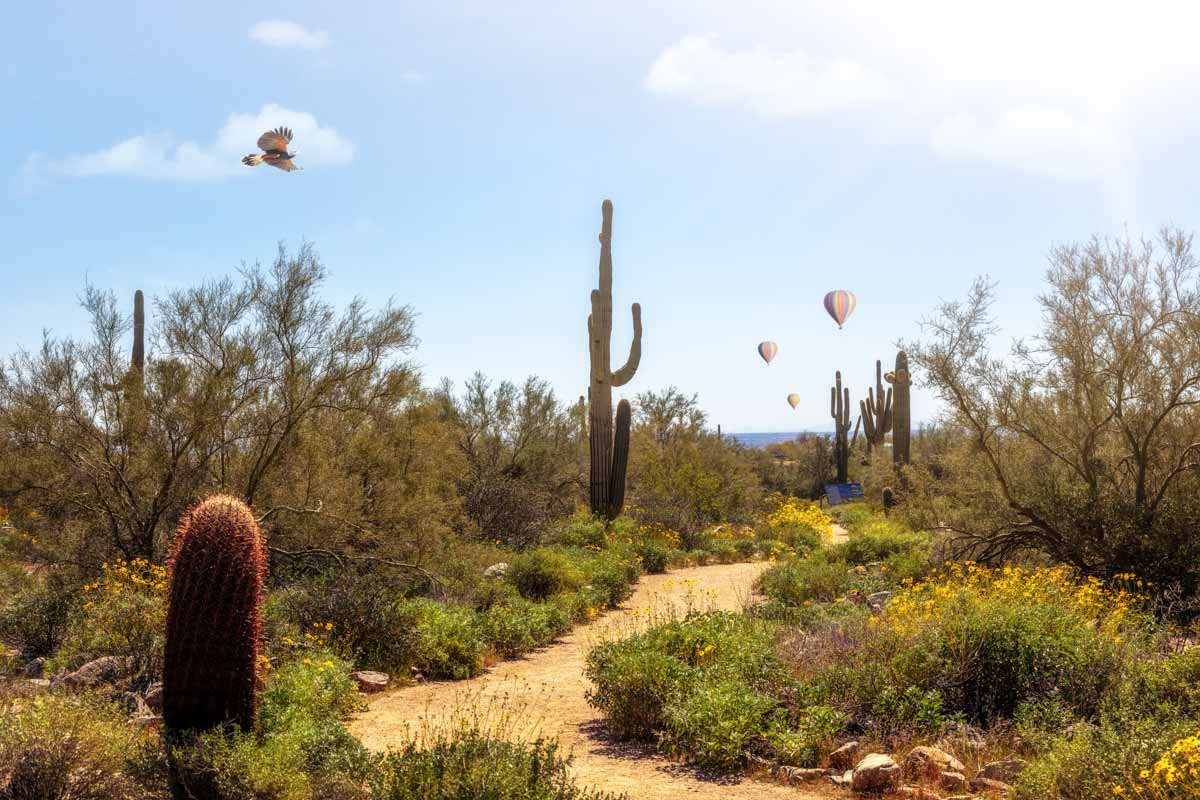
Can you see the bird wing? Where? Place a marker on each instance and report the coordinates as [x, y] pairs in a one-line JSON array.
[[284, 164], [276, 140]]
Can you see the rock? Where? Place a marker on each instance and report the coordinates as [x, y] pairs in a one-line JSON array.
[[930, 762], [496, 570], [879, 599], [953, 781], [1003, 771], [844, 779], [147, 721], [859, 570], [133, 704], [34, 668], [107, 669], [370, 682], [917, 793], [990, 785], [800, 775], [153, 697], [844, 757], [960, 737], [877, 772]]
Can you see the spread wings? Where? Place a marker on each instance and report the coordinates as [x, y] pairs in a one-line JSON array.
[[284, 164], [275, 141]]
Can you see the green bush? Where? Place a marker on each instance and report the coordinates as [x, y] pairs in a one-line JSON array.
[[878, 539], [612, 574], [632, 683], [724, 551], [584, 530], [520, 626], [371, 623], [542, 573], [816, 578], [911, 711], [470, 765], [655, 557], [852, 516], [37, 619], [810, 739], [76, 747], [799, 537], [448, 643], [716, 723]]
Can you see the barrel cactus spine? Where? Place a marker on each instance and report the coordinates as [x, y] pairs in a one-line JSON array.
[[218, 565], [609, 453]]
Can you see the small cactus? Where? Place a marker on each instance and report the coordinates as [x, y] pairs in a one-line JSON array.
[[214, 617], [889, 499]]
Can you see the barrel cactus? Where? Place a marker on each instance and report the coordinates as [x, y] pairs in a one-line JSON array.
[[214, 617]]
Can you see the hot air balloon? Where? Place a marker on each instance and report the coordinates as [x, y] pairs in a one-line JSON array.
[[767, 350], [793, 400], [839, 304]]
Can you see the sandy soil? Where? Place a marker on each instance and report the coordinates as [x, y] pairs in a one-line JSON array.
[[544, 694]]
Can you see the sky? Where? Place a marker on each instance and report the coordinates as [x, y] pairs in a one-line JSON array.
[[455, 155]]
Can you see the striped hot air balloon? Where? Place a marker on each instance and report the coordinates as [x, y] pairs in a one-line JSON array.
[[839, 304], [767, 350], [793, 400]]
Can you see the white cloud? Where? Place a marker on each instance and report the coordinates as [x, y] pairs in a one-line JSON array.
[[160, 155], [770, 84], [284, 33], [1039, 139]]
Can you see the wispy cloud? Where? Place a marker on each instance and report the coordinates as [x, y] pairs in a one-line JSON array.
[[161, 155], [285, 33], [770, 84]]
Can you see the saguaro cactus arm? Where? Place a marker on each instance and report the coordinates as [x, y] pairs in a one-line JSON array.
[[625, 373]]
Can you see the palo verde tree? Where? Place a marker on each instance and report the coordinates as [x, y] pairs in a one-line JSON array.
[[1084, 443]]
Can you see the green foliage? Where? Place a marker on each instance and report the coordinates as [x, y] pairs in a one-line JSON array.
[[544, 572], [813, 736], [612, 574], [814, 579], [471, 765], [37, 618], [448, 644], [912, 711], [76, 747], [655, 557], [879, 539], [632, 683], [716, 723], [519, 626]]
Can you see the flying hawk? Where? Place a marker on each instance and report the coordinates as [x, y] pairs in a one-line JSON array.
[[274, 145]]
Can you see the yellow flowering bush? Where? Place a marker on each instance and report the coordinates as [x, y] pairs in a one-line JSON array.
[[123, 614], [1175, 776], [790, 511]]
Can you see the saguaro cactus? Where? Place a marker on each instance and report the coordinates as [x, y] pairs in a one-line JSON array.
[[608, 457], [876, 412], [901, 380], [138, 362], [218, 564], [839, 409]]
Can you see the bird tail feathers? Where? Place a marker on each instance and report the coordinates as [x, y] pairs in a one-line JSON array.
[[252, 160]]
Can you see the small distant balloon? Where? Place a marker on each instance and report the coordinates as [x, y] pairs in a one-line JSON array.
[[839, 304], [767, 350], [793, 400]]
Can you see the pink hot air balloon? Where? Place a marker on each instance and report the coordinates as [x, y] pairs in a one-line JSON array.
[[767, 350], [839, 304]]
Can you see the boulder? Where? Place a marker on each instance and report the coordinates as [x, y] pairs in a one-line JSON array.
[[800, 775], [930, 762], [103, 670], [879, 599], [953, 781], [1005, 771], [133, 704], [877, 773], [33, 669], [153, 697], [843, 758], [917, 793], [370, 682], [991, 785], [844, 779], [496, 570]]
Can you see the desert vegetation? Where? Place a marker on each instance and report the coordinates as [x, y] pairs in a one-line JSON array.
[[225, 524]]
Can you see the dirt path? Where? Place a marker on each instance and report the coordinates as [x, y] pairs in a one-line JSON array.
[[544, 693]]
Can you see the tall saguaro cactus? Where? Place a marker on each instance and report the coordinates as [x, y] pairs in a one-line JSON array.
[[901, 380], [609, 454], [876, 411], [839, 409], [138, 361]]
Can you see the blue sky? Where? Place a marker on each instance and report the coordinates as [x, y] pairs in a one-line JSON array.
[[456, 153]]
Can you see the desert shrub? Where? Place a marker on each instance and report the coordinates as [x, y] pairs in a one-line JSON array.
[[472, 764], [723, 551], [790, 512], [814, 735], [1039, 723], [879, 539], [1165, 688], [655, 557], [493, 592], [370, 622], [716, 723], [911, 711], [612, 574], [448, 644], [542, 573], [583, 530], [75, 747], [1120, 757], [852, 516], [299, 749], [520, 626], [36, 620], [123, 614], [990, 640], [632, 683], [816, 578]]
